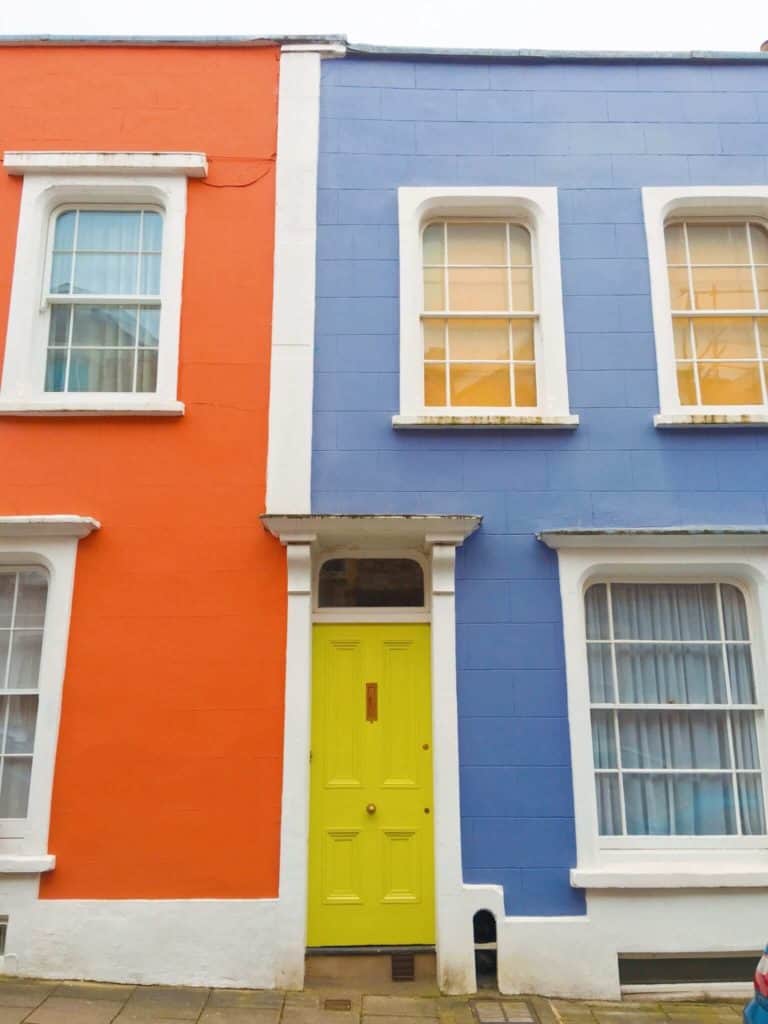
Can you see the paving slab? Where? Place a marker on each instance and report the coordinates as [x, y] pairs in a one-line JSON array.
[[25, 993], [245, 998], [383, 1019], [13, 1014], [238, 1015], [317, 1015], [165, 1001], [94, 990], [62, 1010], [489, 1011], [399, 1006]]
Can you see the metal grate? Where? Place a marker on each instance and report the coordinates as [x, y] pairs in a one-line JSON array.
[[403, 967], [338, 1004]]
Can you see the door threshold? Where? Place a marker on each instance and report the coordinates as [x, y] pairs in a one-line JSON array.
[[366, 950]]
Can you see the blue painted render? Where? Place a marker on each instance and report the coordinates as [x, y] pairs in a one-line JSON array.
[[598, 131]]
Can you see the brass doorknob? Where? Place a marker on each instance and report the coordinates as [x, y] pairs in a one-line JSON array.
[[370, 808]]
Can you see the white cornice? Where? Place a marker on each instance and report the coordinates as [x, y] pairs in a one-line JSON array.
[[370, 530], [650, 537], [193, 165], [47, 526], [24, 864]]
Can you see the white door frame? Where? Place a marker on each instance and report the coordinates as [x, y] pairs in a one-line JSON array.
[[438, 537]]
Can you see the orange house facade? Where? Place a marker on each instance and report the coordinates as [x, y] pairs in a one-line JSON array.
[[142, 604]]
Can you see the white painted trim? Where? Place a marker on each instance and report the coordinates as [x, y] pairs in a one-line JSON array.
[[659, 204], [664, 876], [697, 537], [746, 419], [192, 165], [83, 405], [485, 422], [289, 456], [26, 865], [23, 379], [324, 49], [537, 209], [308, 536], [692, 990], [651, 858], [46, 526], [49, 542]]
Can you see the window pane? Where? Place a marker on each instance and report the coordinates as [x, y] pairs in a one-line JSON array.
[[596, 609], [600, 662], [152, 240], [682, 332], [22, 718], [30, 603], [105, 274], [679, 805], [58, 333], [673, 233], [761, 273], [525, 385], [481, 384], [718, 243], [149, 279], [14, 791], [109, 230], [371, 583], [101, 370], [149, 326], [95, 326], [5, 645], [478, 339], [674, 739], [745, 748], [522, 289], [751, 805], [608, 805], [734, 613], [665, 611], [434, 384], [471, 288], [522, 339], [56, 370], [7, 588], [686, 385], [723, 288], [146, 370], [433, 239], [25, 660], [519, 245], [64, 232], [477, 244], [679, 288], [434, 339], [434, 291], [725, 338], [671, 673], [603, 739], [730, 383], [61, 274], [741, 673]]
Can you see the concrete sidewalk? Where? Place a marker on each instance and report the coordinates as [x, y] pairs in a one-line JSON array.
[[43, 1002]]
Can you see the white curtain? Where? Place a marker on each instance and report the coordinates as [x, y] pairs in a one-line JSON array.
[[681, 771]]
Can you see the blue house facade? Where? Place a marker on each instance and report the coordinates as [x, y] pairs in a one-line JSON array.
[[542, 300]]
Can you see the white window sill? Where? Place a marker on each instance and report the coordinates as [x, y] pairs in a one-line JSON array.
[[671, 875], [502, 422], [90, 406], [714, 419], [24, 864]]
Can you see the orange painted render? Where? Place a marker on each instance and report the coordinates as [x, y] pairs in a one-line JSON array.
[[168, 771]]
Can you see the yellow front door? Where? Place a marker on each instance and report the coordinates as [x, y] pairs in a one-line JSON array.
[[371, 875]]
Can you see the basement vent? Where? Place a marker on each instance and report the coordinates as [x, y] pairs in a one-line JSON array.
[[403, 967], [339, 1005], [3, 930], [686, 968]]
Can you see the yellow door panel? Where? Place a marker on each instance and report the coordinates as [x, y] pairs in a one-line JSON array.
[[371, 873]]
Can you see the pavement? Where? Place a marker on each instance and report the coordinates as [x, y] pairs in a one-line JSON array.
[[25, 1001]]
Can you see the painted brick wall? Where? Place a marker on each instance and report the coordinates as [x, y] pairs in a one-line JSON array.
[[598, 133]]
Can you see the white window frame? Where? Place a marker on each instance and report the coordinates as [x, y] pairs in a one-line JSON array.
[[48, 543], [56, 181], [661, 205], [588, 557], [533, 208], [392, 613]]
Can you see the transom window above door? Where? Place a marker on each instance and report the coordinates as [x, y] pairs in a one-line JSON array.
[[718, 286], [479, 315], [370, 583], [104, 297]]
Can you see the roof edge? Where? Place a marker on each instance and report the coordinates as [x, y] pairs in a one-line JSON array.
[[189, 41]]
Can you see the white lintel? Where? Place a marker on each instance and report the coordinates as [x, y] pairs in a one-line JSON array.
[[193, 165], [653, 537], [26, 864], [47, 526], [332, 530]]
